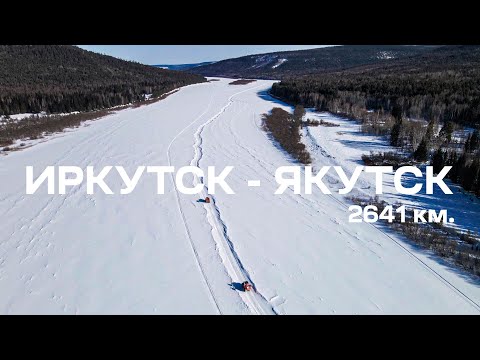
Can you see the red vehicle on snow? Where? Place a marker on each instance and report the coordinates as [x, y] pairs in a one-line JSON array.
[[247, 286]]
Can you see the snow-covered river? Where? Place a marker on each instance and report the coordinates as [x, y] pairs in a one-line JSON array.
[[170, 254]]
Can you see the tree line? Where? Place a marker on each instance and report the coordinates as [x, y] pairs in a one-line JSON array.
[[285, 129], [441, 148], [442, 96], [465, 164]]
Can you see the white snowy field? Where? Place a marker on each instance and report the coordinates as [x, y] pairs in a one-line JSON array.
[[170, 254]]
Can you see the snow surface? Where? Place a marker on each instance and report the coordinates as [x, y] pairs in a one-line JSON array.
[[263, 60], [385, 55], [170, 254], [280, 62], [24, 116]]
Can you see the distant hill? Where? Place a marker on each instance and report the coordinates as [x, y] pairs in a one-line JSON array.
[[183, 67], [462, 58], [278, 65], [64, 78]]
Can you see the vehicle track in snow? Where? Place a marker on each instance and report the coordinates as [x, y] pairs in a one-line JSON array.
[[184, 220], [255, 301]]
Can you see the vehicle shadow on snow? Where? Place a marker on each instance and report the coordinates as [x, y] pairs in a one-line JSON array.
[[236, 286]]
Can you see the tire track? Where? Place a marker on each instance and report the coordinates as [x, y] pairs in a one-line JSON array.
[[184, 220], [255, 301]]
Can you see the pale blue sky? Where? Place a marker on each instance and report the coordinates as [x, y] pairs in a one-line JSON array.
[[185, 54]]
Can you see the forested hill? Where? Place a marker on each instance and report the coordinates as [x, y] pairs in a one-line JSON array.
[[280, 65], [460, 58], [442, 85], [64, 78]]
